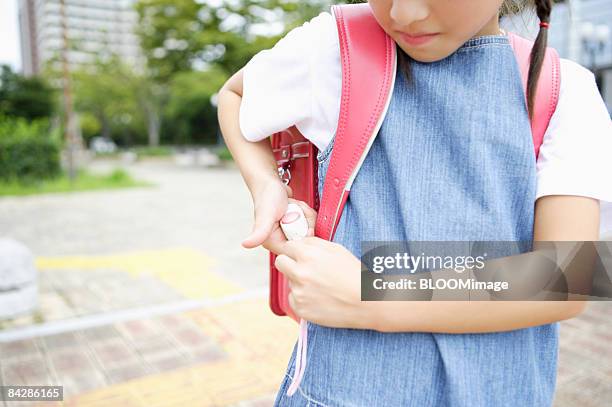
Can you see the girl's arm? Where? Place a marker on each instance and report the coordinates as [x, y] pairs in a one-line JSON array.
[[557, 218], [259, 170], [254, 159]]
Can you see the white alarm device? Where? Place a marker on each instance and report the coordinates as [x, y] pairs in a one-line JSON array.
[[293, 223]]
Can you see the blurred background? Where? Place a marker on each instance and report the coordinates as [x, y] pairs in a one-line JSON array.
[[122, 276]]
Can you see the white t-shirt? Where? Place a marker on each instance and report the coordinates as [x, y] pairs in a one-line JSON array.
[[299, 81]]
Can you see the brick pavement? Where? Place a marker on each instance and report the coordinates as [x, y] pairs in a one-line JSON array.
[[214, 357], [585, 359], [163, 248], [235, 355]]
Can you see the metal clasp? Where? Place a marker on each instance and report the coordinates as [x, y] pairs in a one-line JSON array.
[[284, 173]]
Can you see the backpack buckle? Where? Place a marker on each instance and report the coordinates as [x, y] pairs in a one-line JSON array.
[[284, 173]]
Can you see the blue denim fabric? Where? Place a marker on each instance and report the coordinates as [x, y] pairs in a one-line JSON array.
[[453, 160]]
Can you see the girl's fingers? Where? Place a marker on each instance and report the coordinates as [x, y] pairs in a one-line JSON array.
[[261, 230], [290, 284], [275, 241], [287, 266], [292, 302], [265, 225]]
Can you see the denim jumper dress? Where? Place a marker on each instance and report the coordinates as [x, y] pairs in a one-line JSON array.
[[453, 161]]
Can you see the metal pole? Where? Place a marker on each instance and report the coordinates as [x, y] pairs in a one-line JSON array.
[[68, 113]]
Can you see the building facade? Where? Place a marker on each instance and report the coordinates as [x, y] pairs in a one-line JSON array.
[[94, 28]]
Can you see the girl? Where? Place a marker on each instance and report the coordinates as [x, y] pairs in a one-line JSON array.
[[453, 160]]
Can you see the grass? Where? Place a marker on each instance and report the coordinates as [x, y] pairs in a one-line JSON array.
[[141, 151], [147, 151], [164, 151], [84, 181]]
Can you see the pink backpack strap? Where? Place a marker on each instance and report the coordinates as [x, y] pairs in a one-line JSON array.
[[547, 91], [368, 58]]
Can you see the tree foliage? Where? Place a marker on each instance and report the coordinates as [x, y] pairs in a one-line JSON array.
[[193, 46], [30, 98], [184, 35], [107, 91], [189, 110]]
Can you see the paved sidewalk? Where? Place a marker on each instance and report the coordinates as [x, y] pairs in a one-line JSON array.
[[78, 286], [133, 285], [233, 354], [585, 359], [148, 299]]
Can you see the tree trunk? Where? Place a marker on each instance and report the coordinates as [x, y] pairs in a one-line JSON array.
[[153, 124]]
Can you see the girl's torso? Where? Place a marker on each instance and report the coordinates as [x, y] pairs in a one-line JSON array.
[[453, 161]]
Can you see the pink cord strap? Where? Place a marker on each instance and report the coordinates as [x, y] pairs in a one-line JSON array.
[[300, 358]]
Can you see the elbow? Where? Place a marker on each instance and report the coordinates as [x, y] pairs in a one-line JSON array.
[[573, 309], [223, 102], [221, 98], [225, 87], [234, 83]]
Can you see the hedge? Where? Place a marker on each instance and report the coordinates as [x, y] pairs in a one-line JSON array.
[[27, 151]]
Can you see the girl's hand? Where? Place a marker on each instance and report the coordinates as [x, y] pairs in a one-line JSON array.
[[325, 282], [270, 205]]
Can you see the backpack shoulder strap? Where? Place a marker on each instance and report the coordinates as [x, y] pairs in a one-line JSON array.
[[547, 91], [368, 58]]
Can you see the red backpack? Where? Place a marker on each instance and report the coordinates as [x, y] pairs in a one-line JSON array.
[[368, 52]]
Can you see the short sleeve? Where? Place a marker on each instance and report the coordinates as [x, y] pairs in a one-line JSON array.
[[576, 154], [280, 84]]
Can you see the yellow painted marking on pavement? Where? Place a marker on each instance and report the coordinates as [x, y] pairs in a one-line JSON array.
[[184, 269], [258, 344]]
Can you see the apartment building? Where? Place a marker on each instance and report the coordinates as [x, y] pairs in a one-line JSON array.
[[93, 27]]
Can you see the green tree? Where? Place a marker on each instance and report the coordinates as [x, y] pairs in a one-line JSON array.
[[107, 91], [189, 110], [183, 35], [30, 98], [193, 46]]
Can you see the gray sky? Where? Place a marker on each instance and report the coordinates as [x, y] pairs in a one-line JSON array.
[[9, 34]]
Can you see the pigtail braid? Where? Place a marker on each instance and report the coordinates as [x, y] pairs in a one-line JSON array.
[[543, 10]]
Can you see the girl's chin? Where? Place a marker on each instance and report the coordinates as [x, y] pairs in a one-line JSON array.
[[425, 55]]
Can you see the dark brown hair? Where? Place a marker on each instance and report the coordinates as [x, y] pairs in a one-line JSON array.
[[543, 9]]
